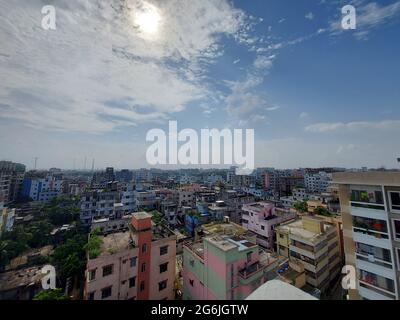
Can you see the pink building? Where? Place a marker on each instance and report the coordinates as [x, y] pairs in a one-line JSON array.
[[261, 218], [136, 264], [226, 264]]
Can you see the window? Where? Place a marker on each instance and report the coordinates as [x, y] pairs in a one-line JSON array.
[[133, 262], [398, 257], [394, 200], [143, 269], [396, 227], [370, 225], [106, 292], [132, 282], [92, 274], [249, 256], [163, 267], [262, 228], [377, 281], [191, 282], [91, 295], [107, 270], [373, 252], [368, 196], [163, 250], [162, 285], [144, 248], [142, 286]]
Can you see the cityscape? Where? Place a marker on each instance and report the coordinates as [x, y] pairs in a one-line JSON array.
[[202, 150], [199, 234]]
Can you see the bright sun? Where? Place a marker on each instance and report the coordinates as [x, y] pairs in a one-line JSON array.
[[147, 18]]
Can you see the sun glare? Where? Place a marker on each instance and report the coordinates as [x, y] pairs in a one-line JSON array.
[[147, 19]]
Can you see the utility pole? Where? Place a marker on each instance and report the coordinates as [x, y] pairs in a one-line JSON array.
[[84, 166], [36, 159]]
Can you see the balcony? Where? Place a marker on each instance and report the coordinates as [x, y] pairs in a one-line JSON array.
[[366, 212], [250, 270], [372, 239]]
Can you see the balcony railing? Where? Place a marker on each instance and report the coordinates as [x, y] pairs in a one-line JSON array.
[[250, 270]]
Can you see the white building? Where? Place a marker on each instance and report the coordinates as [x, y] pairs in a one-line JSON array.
[[317, 182], [370, 203], [128, 199]]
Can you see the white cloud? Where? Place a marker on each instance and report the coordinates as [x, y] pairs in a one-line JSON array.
[[309, 16], [304, 115], [369, 16], [361, 125], [242, 99], [263, 62], [97, 72]]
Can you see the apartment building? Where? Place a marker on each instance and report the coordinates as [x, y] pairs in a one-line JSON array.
[[370, 206], [145, 199], [288, 184], [135, 264], [11, 177], [187, 197], [261, 218], [128, 198], [99, 204], [42, 188], [317, 182], [225, 264], [314, 242]]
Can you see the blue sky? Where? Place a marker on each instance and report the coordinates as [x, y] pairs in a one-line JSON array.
[[316, 95]]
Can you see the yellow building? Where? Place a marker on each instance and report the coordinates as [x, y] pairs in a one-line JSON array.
[[313, 242]]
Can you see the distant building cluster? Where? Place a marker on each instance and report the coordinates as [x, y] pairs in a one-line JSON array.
[[212, 234]]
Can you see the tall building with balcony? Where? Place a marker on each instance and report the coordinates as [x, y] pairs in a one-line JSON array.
[[313, 242], [370, 205], [226, 264], [103, 203], [138, 264], [261, 218]]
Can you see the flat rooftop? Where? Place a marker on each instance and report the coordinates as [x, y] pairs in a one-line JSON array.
[[296, 228], [227, 243], [21, 278], [141, 215], [114, 242], [388, 178]]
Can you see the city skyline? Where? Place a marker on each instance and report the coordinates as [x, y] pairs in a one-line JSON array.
[[316, 95]]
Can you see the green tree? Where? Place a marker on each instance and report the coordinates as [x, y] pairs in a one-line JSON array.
[[55, 294], [70, 258], [93, 245], [301, 206], [321, 211]]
